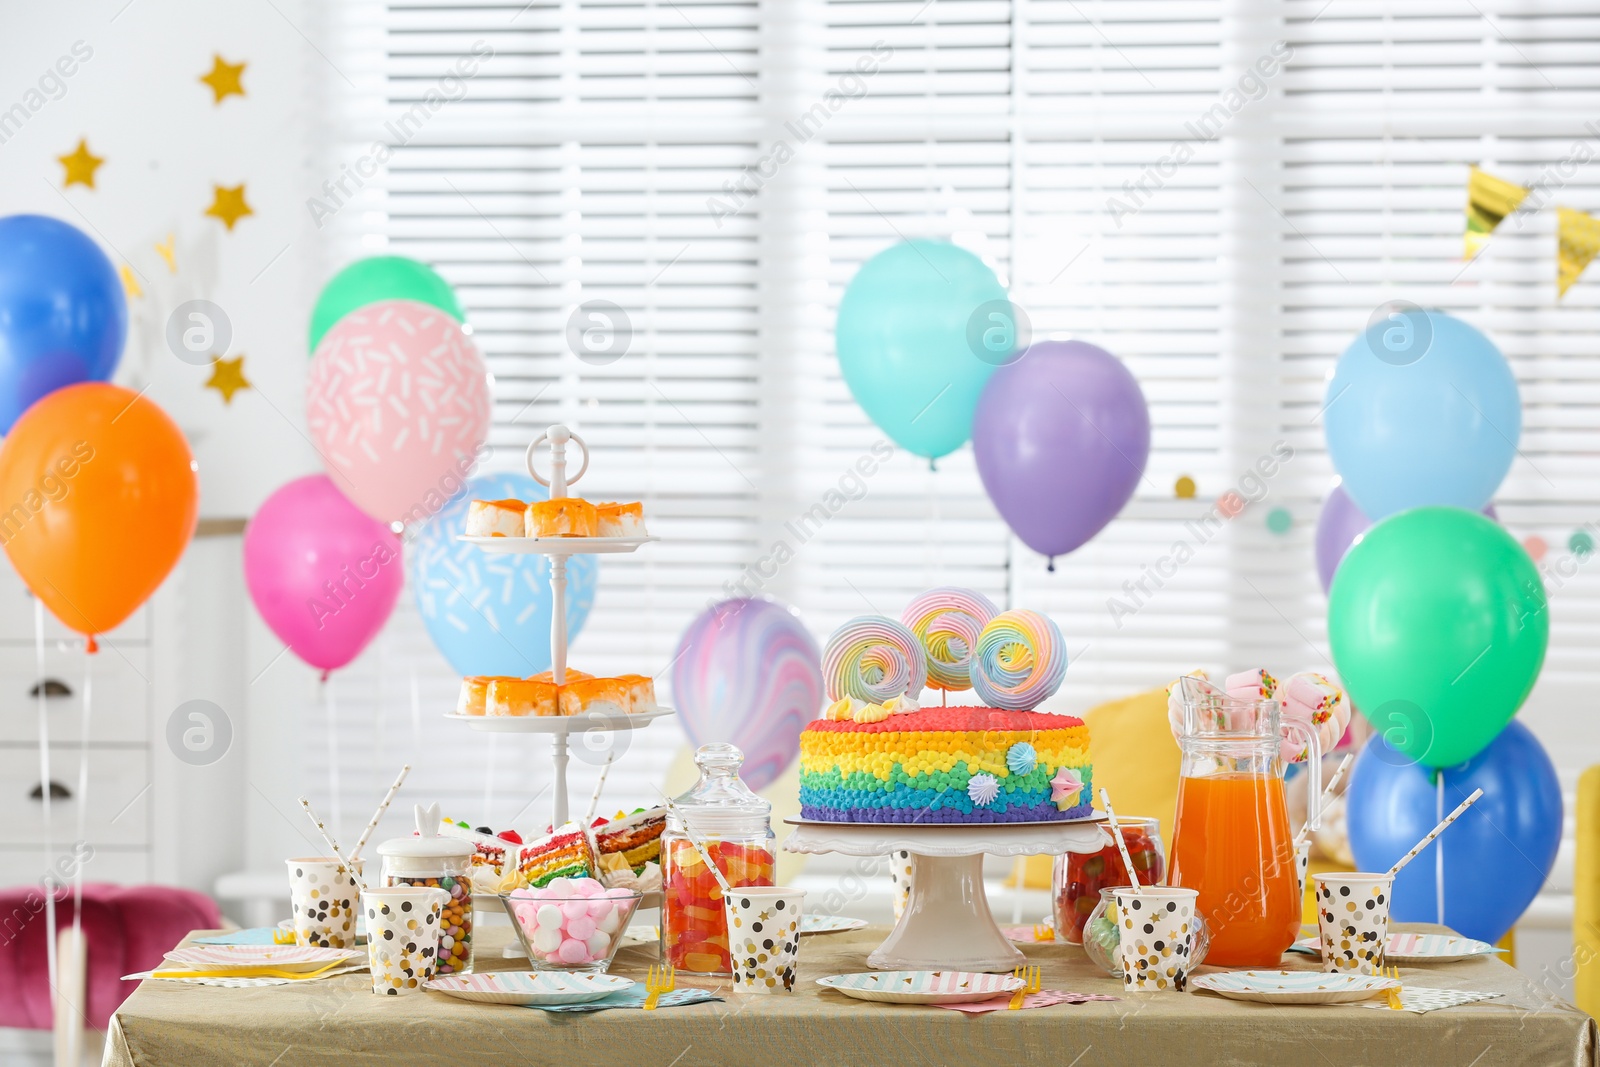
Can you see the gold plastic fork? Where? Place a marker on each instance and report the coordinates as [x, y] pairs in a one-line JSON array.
[[283, 937], [1043, 932], [658, 980], [1394, 992], [1031, 983]]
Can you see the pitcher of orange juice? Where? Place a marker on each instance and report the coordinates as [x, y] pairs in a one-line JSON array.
[[1231, 839]]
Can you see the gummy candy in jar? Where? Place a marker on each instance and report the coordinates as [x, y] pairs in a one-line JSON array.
[[736, 827], [429, 859], [1079, 877]]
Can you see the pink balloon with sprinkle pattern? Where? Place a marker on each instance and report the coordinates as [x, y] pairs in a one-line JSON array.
[[397, 402]]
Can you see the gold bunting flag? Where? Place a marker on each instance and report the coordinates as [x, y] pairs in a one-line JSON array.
[[1578, 238], [1489, 200]]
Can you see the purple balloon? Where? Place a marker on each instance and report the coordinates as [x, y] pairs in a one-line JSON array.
[[1338, 526], [1061, 437]]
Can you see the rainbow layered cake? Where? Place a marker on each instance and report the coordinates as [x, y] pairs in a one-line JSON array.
[[564, 853], [876, 756], [628, 848], [946, 765]]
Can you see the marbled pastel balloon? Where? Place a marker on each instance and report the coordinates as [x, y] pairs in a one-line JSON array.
[[748, 672]]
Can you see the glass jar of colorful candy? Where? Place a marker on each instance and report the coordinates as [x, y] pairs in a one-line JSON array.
[[444, 863], [1079, 876], [735, 827]]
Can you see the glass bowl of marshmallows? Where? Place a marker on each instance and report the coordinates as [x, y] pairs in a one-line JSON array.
[[571, 924]]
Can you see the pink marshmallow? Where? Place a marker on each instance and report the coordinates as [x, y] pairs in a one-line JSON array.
[[581, 929], [1252, 685], [600, 907], [586, 887], [572, 951], [618, 893], [574, 909]]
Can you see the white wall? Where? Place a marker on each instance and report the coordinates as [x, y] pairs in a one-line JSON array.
[[138, 102]]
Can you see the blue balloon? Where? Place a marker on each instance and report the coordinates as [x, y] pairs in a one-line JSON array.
[[1496, 855], [490, 614], [63, 316], [1422, 409], [922, 326]]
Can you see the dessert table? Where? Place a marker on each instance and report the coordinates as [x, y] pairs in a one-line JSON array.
[[339, 1021]]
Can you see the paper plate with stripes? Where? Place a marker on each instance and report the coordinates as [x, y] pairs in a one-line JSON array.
[[1293, 987], [922, 987]]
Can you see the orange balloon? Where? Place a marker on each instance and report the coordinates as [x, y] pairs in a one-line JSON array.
[[98, 499]]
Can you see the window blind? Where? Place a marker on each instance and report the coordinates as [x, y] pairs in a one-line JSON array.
[[1220, 193]]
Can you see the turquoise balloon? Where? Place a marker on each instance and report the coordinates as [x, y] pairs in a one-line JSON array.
[[921, 328]]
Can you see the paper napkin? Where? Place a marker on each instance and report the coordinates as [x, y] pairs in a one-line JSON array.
[[1421, 999], [1042, 999], [634, 998]]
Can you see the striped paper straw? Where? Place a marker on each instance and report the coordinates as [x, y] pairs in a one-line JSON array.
[[1435, 832]]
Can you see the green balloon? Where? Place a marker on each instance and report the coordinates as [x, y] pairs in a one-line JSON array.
[[367, 281], [1438, 623]]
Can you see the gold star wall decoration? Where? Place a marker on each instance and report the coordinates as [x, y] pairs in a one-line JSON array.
[[129, 282], [227, 378], [224, 78], [169, 253], [81, 165], [229, 204]]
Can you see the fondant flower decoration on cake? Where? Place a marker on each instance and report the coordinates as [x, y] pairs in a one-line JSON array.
[[1021, 758], [873, 659], [948, 621], [982, 789], [1065, 788], [1019, 661]]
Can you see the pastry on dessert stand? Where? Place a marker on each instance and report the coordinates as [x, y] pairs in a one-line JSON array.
[[561, 513]]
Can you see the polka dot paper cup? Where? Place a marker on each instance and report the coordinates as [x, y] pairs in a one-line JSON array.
[[1157, 935], [323, 898], [900, 874], [763, 937], [402, 936], [1302, 863], [1353, 920]]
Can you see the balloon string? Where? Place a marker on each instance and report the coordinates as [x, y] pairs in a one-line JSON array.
[[44, 788], [1438, 850], [333, 751], [83, 800]]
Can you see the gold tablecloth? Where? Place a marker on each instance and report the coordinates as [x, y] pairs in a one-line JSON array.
[[339, 1021]]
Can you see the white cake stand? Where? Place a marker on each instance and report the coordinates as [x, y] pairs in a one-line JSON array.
[[559, 549], [946, 923]]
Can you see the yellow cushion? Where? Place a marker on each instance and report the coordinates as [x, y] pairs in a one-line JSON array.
[[1135, 758]]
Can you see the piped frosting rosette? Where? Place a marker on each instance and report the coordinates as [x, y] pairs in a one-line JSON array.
[[1019, 660], [873, 659], [947, 621]]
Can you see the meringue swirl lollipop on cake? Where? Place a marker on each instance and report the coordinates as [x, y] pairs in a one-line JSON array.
[[1019, 660], [947, 621], [874, 659]]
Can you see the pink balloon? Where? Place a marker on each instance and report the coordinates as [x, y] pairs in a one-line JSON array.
[[323, 575], [398, 405]]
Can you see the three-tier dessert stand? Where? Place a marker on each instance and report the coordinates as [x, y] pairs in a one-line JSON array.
[[559, 549]]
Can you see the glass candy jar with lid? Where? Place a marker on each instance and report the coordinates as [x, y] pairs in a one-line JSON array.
[[735, 825], [430, 859]]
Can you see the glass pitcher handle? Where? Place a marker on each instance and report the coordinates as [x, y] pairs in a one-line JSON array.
[[1313, 770]]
